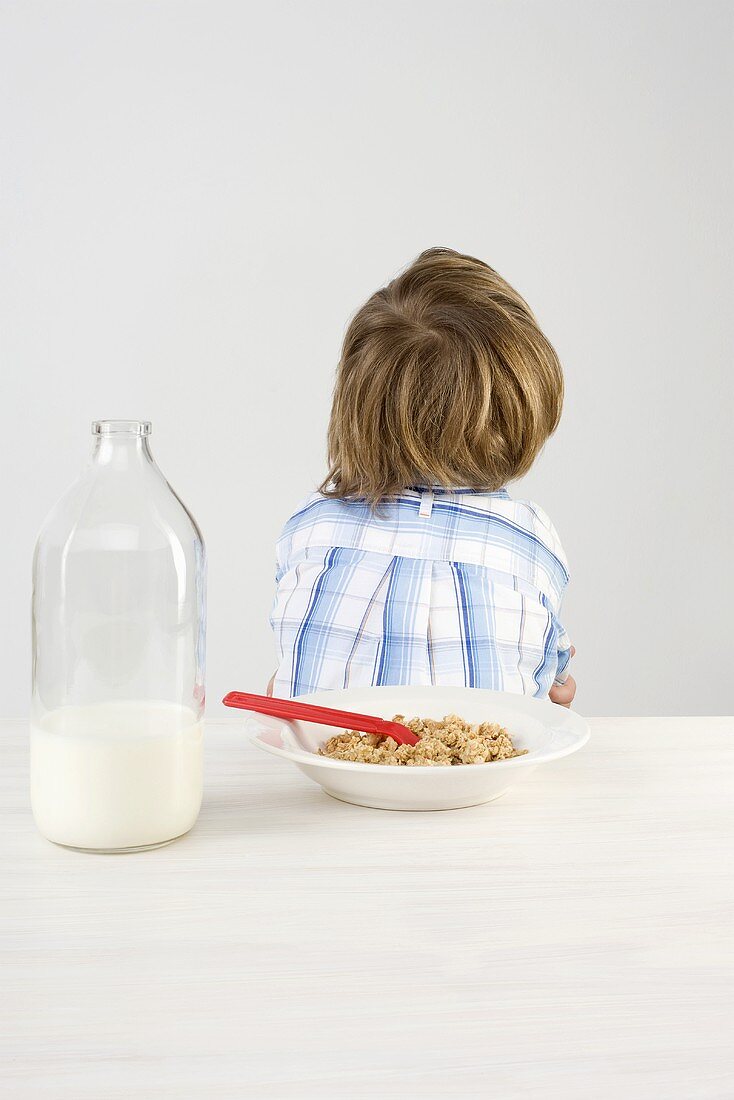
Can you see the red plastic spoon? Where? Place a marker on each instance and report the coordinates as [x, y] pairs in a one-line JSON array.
[[323, 716]]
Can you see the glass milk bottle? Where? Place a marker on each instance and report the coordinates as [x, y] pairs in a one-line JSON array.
[[119, 579]]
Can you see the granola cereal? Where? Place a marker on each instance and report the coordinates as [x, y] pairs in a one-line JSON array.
[[448, 741]]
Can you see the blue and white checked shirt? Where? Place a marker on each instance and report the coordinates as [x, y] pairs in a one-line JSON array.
[[450, 587]]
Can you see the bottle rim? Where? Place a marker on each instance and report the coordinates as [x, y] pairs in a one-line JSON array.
[[121, 427]]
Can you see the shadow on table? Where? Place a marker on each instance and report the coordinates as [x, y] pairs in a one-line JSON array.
[[271, 812]]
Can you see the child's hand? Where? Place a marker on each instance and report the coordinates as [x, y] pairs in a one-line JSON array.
[[563, 694], [271, 681]]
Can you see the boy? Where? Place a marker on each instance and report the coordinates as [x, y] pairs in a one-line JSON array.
[[412, 564]]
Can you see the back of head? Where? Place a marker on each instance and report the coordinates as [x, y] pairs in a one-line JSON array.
[[445, 378]]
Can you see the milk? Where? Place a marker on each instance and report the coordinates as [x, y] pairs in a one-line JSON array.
[[116, 775]]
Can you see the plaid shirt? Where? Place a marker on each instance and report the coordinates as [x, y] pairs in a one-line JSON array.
[[450, 587]]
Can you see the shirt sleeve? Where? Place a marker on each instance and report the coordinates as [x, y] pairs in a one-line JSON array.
[[281, 556], [563, 647], [563, 643]]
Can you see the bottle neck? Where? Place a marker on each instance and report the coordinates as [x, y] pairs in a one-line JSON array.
[[121, 452]]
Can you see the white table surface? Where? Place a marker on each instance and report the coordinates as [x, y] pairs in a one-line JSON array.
[[573, 939]]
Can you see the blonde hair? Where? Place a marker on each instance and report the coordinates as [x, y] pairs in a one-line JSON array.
[[445, 378]]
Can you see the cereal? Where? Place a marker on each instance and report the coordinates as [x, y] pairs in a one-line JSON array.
[[448, 741]]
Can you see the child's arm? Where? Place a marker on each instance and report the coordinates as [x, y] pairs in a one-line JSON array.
[[564, 693]]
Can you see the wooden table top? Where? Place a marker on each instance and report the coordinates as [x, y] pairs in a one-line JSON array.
[[573, 939]]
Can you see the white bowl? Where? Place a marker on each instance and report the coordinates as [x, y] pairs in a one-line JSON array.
[[547, 731]]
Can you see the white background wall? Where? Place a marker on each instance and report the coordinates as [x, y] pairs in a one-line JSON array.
[[197, 195]]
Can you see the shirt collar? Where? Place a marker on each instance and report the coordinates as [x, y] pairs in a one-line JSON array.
[[443, 489]]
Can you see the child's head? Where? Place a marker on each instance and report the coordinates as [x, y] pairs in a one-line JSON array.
[[445, 378]]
